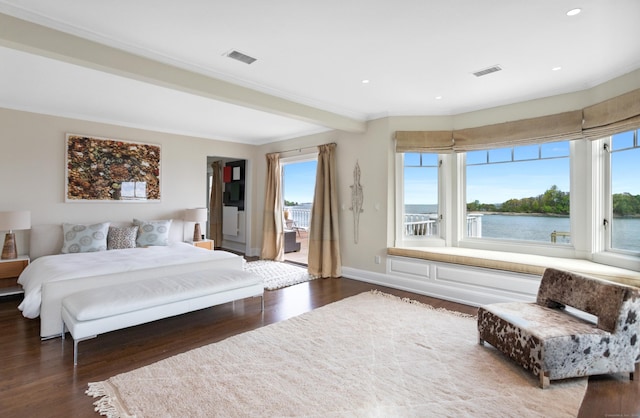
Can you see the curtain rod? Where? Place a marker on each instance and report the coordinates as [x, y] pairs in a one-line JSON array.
[[304, 148]]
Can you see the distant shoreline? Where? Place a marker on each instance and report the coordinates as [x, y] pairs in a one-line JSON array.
[[551, 215]]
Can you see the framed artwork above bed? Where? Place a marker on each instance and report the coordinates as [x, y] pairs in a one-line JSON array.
[[111, 170]]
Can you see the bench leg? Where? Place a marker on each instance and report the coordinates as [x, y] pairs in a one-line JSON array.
[[75, 348], [544, 380]]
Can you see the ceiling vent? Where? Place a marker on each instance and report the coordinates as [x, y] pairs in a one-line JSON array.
[[239, 56], [486, 71]]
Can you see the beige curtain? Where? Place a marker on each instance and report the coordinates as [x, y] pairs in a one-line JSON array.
[[424, 141], [272, 233], [324, 235], [215, 204], [619, 114], [612, 116], [559, 127]]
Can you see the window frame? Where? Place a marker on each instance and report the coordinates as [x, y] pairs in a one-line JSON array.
[[607, 147], [523, 243], [590, 189], [417, 241]]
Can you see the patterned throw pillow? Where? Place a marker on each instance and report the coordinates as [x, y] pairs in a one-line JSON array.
[[152, 232], [84, 238], [122, 237]]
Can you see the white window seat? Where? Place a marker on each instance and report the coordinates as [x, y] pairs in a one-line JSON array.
[[516, 262]]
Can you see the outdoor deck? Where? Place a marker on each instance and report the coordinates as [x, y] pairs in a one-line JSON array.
[[300, 257]]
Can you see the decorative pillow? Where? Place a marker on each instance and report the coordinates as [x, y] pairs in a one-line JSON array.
[[84, 238], [122, 237], [152, 232]]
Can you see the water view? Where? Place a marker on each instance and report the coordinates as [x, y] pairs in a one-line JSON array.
[[625, 231]]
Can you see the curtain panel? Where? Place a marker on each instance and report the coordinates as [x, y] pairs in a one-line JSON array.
[[559, 127], [324, 235], [424, 141], [272, 232], [612, 116], [619, 114], [215, 205]]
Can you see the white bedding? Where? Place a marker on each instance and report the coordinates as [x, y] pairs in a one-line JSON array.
[[49, 278]]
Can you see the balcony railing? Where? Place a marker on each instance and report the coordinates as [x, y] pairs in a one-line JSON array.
[[298, 218], [426, 225], [418, 225]]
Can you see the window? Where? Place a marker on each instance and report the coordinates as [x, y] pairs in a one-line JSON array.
[[625, 192], [420, 195], [519, 193]]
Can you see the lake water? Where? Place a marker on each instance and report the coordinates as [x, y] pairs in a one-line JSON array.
[[625, 232], [520, 227]]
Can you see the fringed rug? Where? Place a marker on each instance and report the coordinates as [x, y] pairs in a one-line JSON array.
[[278, 275], [367, 355]]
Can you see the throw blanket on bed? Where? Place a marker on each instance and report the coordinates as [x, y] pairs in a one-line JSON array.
[[72, 266]]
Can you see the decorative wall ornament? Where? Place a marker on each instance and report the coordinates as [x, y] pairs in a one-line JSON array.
[[101, 169], [357, 198]]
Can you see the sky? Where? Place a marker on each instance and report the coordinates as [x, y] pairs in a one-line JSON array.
[[299, 181], [494, 183], [497, 183]]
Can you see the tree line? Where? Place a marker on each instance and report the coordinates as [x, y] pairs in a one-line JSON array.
[[555, 202]]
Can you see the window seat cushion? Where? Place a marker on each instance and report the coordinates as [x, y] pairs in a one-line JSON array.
[[516, 262]]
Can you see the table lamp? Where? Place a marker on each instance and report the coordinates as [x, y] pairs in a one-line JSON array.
[[197, 215], [10, 221]]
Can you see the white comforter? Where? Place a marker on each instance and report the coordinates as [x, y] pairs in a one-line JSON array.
[[60, 267]]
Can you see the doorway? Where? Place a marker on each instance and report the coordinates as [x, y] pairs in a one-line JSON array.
[[298, 185]]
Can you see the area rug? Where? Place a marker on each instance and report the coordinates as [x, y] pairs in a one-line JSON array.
[[368, 355], [277, 274]]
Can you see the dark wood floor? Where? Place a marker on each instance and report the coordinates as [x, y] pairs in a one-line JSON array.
[[38, 378]]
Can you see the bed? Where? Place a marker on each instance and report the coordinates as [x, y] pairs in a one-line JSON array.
[[51, 276]]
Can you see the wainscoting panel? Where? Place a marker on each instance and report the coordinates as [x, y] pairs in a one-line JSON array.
[[474, 286], [487, 278], [415, 268]]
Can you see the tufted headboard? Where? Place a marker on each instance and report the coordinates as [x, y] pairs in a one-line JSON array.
[[47, 239]]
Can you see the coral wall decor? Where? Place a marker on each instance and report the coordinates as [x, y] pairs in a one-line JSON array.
[[101, 169]]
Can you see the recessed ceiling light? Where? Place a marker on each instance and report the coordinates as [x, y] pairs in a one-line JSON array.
[[556, 69], [573, 12], [365, 81], [438, 97]]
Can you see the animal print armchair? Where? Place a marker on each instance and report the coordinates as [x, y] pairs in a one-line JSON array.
[[554, 344]]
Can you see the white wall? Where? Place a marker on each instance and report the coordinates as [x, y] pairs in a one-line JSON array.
[[32, 159]]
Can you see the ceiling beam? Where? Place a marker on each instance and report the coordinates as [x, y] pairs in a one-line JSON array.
[[37, 39]]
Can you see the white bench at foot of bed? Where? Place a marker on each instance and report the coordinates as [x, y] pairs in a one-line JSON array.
[[89, 313]]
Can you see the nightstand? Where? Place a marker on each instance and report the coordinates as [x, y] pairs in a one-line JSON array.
[[9, 272], [205, 243]]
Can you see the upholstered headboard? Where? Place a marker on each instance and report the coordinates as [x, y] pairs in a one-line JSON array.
[[47, 239]]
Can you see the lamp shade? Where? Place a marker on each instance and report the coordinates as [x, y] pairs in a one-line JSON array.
[[15, 220], [196, 215]]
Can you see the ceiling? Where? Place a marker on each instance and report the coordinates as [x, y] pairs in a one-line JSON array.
[[312, 57]]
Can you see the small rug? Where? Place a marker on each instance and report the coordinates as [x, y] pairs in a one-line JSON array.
[[368, 355], [278, 275]]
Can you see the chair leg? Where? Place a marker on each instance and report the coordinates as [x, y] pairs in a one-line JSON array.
[[544, 380]]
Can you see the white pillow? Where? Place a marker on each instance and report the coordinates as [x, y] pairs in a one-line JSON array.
[[152, 232], [80, 238]]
